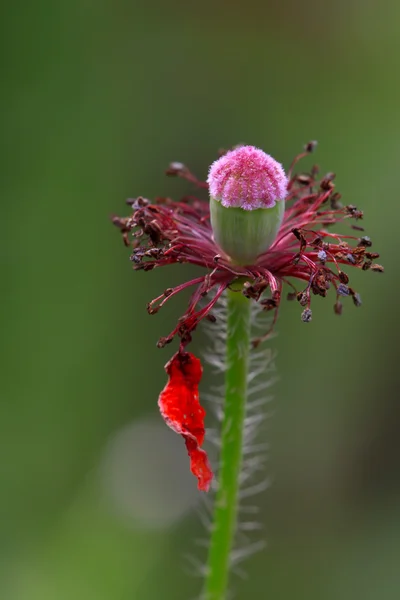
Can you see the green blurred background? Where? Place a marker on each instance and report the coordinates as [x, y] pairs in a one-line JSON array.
[[97, 97]]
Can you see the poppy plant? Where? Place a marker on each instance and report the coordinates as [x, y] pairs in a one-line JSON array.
[[259, 230]]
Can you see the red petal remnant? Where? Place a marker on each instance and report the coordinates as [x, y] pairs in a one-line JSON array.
[[180, 408]]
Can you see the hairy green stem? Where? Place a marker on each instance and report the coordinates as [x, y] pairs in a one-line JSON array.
[[226, 502]]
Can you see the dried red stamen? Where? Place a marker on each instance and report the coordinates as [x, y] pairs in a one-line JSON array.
[[166, 232], [180, 407]]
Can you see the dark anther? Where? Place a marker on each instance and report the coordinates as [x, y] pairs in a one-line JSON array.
[[137, 256], [351, 259], [343, 290], [269, 304], [310, 146], [304, 179], [255, 289], [152, 310], [301, 238], [320, 282], [356, 299], [121, 223], [153, 230], [343, 277], [137, 203], [338, 307], [306, 315], [154, 252], [211, 318], [377, 268], [335, 201], [327, 182], [372, 255], [314, 171], [358, 253], [357, 228], [163, 341], [354, 212], [365, 241], [175, 169], [317, 242], [302, 297], [206, 285]]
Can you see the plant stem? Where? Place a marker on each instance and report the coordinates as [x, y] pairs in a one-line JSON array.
[[230, 462]]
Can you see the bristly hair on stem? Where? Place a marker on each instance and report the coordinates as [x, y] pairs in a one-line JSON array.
[[240, 406]]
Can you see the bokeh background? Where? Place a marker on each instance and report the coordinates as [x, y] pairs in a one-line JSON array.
[[97, 98]]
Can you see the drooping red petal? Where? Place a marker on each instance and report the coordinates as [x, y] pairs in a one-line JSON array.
[[180, 408]]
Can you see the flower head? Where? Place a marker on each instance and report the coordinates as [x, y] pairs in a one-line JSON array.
[[303, 253]]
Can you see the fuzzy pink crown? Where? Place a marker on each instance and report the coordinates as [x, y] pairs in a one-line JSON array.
[[247, 178]]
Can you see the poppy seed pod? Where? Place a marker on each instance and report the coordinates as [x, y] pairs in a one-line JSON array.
[[247, 192]]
